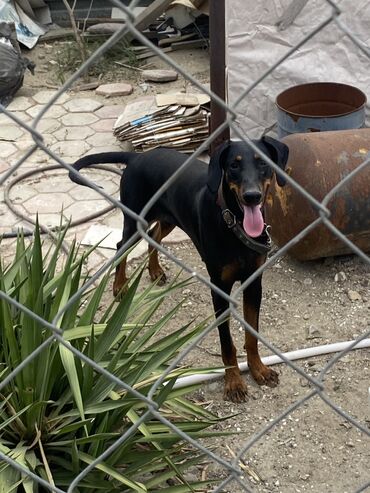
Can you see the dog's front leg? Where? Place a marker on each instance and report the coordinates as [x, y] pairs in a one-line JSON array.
[[235, 387], [262, 374]]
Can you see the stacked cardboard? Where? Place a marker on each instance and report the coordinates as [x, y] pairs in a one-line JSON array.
[[176, 121]]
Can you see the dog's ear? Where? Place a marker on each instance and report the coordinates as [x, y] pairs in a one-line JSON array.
[[216, 165], [279, 153]]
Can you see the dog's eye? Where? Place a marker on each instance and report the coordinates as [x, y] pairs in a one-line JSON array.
[[235, 165]]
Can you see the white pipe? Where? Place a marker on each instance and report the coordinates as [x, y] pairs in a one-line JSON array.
[[274, 359]]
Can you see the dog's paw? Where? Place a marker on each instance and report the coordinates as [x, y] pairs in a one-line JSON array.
[[236, 391], [158, 277], [265, 376], [119, 291]]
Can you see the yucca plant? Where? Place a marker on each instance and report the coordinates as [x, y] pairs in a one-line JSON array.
[[58, 414]]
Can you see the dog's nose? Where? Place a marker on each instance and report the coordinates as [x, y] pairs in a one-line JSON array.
[[252, 197]]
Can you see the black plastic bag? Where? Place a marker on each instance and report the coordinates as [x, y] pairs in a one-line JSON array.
[[12, 66]]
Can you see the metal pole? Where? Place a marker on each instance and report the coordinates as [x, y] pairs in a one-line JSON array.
[[217, 67]]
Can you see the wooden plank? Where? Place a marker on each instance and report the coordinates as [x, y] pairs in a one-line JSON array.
[[175, 39], [192, 44]]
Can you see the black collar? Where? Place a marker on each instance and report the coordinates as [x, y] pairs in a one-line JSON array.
[[261, 245]]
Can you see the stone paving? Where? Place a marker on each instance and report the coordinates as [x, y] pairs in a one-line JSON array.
[[73, 127]]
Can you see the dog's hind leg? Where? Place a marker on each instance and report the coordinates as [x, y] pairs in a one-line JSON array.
[[120, 278], [160, 230]]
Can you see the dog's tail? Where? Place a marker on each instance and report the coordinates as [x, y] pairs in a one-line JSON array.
[[101, 158]]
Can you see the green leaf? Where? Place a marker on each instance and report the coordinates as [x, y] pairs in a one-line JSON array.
[[114, 325], [70, 368], [136, 486]]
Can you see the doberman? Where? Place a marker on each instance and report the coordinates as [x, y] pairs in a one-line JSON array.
[[220, 207]]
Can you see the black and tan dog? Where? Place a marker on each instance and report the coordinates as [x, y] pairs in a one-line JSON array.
[[220, 207]]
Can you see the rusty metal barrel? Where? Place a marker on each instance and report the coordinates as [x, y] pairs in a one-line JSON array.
[[318, 107], [318, 161]]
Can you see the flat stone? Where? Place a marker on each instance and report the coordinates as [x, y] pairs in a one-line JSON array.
[[101, 139], [5, 119], [159, 75], [48, 125], [50, 219], [78, 119], [10, 133], [23, 191], [4, 166], [110, 111], [80, 105], [74, 133], [115, 89], [43, 97], [20, 103], [54, 111], [85, 193], [39, 157], [85, 207], [104, 125], [61, 183], [48, 202], [7, 218], [74, 148], [7, 149], [107, 148]]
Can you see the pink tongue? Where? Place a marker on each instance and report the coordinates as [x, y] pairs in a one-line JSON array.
[[253, 223]]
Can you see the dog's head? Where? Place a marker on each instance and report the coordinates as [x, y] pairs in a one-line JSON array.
[[247, 176]]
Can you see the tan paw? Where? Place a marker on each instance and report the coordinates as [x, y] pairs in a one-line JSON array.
[[236, 391], [265, 376]]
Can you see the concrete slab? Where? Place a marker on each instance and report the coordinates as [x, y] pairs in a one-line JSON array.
[[20, 103], [73, 133], [110, 111], [74, 148], [10, 133], [78, 119], [55, 111], [43, 97], [80, 105]]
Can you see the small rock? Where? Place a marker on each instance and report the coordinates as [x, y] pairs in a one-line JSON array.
[[144, 86], [116, 89], [313, 332], [159, 75], [340, 277], [307, 281], [354, 295], [306, 316]]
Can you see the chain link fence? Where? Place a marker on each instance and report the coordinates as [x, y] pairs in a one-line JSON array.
[[233, 473]]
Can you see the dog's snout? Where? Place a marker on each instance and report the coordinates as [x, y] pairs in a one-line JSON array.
[[252, 197]]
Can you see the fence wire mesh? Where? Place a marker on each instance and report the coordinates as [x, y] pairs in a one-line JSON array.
[[234, 475]]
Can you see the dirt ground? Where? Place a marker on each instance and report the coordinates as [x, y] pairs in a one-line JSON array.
[[304, 304]]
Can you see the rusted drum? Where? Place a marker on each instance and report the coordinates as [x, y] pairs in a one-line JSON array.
[[318, 107], [318, 161]]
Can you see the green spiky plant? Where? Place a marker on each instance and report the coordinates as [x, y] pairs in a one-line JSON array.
[[57, 414]]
